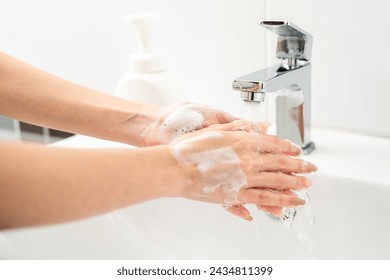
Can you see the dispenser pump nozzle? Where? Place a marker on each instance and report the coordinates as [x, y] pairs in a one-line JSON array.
[[144, 61]]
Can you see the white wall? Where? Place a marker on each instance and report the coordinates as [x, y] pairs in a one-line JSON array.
[[351, 56], [207, 43]]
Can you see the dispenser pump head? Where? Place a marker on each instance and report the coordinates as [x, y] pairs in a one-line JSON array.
[[144, 61]]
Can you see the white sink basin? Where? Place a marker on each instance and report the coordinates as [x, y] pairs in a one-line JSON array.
[[350, 198]]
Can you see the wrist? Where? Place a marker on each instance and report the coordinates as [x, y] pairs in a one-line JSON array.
[[176, 177], [128, 122]]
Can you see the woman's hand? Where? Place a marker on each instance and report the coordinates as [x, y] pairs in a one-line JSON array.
[[238, 163], [171, 122]]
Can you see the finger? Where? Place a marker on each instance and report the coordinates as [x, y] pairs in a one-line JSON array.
[[218, 119], [283, 163], [249, 126], [289, 192], [214, 115], [224, 117], [273, 210], [240, 211], [265, 197], [243, 125], [275, 145], [278, 181]]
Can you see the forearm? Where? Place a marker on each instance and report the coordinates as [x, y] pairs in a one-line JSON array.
[[32, 95], [44, 185]]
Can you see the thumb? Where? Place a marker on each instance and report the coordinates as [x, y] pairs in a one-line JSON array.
[[225, 117]]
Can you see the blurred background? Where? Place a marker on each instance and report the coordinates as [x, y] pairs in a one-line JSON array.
[[206, 44]]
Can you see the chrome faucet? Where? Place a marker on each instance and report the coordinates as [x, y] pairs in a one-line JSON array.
[[293, 120]]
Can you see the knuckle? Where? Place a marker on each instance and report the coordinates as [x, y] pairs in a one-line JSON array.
[[262, 197], [281, 201], [299, 182], [303, 182], [279, 180], [301, 165], [283, 163], [274, 139]]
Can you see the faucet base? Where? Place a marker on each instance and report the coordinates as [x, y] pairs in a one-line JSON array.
[[308, 148]]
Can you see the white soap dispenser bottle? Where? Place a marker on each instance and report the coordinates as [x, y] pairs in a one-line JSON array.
[[146, 79]]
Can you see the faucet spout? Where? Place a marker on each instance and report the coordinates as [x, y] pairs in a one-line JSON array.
[[273, 78]]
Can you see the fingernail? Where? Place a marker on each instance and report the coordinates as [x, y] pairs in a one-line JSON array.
[[311, 166], [297, 149], [297, 201], [273, 216], [307, 182], [308, 167]]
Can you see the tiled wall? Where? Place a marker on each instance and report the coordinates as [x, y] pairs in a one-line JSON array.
[[14, 130], [7, 131]]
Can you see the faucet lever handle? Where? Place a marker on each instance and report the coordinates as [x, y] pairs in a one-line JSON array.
[[293, 42]]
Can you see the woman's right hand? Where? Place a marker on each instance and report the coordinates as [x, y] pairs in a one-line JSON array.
[[238, 163]]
